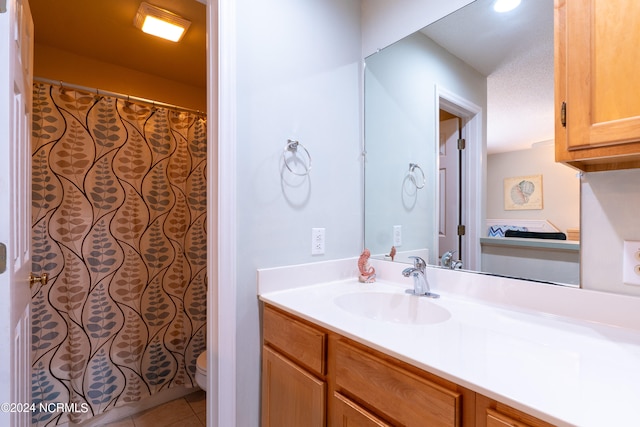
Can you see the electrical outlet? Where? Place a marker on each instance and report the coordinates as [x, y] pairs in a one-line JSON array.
[[631, 263], [317, 241], [397, 235]]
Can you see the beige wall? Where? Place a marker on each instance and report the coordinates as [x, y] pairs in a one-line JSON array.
[[60, 65], [560, 184]]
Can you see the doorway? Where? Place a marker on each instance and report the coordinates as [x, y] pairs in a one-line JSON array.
[[461, 204], [451, 152], [212, 220]]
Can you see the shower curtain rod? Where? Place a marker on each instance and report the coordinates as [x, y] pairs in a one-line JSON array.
[[119, 95]]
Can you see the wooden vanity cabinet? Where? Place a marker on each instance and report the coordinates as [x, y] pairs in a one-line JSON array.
[[313, 377], [596, 79]]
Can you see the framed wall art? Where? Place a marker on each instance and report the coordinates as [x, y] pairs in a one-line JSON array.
[[523, 192]]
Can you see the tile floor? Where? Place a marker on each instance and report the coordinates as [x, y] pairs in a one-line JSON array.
[[188, 411]]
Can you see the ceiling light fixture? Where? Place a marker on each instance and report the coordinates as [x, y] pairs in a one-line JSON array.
[[505, 5], [161, 23]]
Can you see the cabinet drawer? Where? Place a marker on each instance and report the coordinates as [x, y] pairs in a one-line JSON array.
[[350, 414], [304, 344], [406, 398], [496, 419], [491, 413]]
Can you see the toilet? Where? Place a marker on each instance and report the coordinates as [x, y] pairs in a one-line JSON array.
[[201, 370]]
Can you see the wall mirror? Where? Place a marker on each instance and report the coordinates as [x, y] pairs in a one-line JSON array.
[[486, 78]]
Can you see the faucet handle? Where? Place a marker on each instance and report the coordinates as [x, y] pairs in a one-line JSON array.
[[447, 259], [418, 263]]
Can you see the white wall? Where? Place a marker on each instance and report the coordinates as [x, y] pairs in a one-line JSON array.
[[299, 69], [560, 185], [610, 215], [298, 76], [400, 128]]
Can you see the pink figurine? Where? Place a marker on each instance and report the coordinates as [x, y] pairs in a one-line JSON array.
[[367, 273], [392, 254]]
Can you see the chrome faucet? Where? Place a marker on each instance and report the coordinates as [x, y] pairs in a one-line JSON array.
[[447, 261], [420, 283]]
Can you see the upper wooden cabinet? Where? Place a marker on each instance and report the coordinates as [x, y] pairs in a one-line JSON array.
[[597, 77]]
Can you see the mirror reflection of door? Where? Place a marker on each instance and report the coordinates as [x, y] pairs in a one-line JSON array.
[[450, 192]]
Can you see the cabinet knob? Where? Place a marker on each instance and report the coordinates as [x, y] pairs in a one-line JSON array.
[[33, 279]]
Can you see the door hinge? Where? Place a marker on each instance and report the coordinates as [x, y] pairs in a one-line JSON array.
[[461, 230], [563, 114], [462, 144]]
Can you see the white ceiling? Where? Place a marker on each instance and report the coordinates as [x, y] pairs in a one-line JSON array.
[[515, 51]]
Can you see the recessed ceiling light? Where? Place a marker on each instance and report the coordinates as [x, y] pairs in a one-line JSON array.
[[505, 5], [161, 23]]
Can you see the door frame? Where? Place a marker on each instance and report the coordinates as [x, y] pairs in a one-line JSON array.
[[221, 223], [222, 300], [474, 175], [221, 306]]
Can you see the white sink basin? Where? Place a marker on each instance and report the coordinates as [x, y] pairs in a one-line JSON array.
[[392, 307]]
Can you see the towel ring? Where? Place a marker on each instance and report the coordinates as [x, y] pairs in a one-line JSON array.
[[412, 175], [292, 147]]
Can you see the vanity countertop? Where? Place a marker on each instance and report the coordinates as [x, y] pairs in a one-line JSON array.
[[564, 370]]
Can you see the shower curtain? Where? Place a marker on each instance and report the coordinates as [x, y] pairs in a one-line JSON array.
[[118, 214]]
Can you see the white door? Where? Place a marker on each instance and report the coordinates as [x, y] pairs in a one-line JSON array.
[[16, 57], [449, 194]]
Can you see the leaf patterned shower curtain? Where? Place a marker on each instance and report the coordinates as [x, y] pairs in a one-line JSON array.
[[119, 207]]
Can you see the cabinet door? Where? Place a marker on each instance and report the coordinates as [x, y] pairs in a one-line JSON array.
[[291, 397], [596, 75], [350, 414]]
